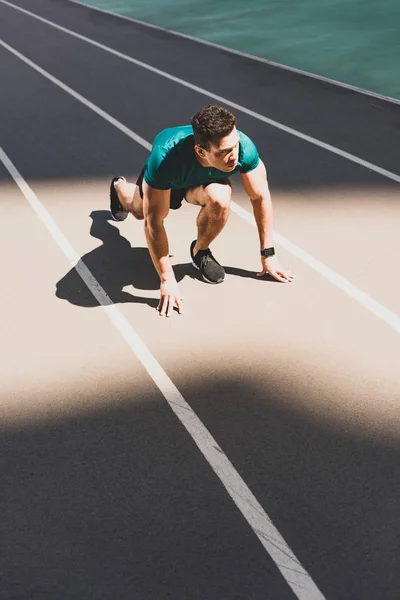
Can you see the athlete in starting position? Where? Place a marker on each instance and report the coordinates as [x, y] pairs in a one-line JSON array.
[[192, 162]]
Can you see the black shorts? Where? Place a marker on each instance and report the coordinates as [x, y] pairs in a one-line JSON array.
[[178, 195]]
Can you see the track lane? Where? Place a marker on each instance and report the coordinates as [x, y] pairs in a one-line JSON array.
[[307, 166], [106, 492], [366, 128], [228, 390]]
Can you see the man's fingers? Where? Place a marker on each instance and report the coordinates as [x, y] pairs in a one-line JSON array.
[[171, 303], [167, 303], [278, 277], [178, 304], [273, 274], [162, 306], [287, 275], [283, 276]]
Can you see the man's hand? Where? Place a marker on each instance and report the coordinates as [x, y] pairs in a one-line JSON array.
[[270, 265], [169, 298]]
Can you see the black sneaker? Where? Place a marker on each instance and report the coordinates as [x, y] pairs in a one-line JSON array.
[[118, 212], [204, 261]]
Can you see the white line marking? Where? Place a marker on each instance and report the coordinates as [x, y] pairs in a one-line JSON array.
[[80, 98], [348, 86], [209, 94], [295, 575], [379, 310], [351, 290]]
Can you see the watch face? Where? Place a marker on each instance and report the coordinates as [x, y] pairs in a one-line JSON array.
[[268, 252]]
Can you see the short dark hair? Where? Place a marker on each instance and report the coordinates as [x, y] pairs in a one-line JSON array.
[[211, 124]]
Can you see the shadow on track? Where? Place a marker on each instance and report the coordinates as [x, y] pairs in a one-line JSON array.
[[248, 274], [118, 503], [115, 264]]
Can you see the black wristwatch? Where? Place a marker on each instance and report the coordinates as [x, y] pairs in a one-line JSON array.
[[268, 252]]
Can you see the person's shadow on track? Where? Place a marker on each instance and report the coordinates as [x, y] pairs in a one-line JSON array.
[[248, 274], [114, 264]]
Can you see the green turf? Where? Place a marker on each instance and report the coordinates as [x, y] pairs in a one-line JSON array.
[[353, 41]]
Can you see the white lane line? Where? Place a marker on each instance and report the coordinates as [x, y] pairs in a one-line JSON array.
[[134, 136], [251, 113], [348, 86], [379, 310], [295, 575], [351, 290]]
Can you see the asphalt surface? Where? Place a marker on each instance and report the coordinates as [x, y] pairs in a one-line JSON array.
[[104, 494]]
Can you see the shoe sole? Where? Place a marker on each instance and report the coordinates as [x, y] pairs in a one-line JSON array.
[[115, 218], [113, 192], [205, 278]]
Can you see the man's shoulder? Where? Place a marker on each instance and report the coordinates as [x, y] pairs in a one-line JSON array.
[[172, 136], [248, 153], [168, 151], [245, 140]]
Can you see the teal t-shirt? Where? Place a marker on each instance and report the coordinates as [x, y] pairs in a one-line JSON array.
[[173, 164]]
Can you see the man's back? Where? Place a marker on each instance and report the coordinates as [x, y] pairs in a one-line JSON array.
[[173, 163]]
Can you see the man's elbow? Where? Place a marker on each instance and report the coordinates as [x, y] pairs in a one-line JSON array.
[[257, 199]]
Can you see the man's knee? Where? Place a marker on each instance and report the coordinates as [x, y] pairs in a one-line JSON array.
[[136, 205], [135, 209], [219, 195], [136, 214]]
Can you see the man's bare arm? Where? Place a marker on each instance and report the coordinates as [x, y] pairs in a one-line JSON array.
[[156, 208], [256, 187]]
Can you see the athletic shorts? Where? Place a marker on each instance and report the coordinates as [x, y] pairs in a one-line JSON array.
[[179, 194]]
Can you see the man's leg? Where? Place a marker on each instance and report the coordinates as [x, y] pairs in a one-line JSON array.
[[214, 200], [130, 197]]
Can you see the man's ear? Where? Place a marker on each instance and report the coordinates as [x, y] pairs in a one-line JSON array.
[[200, 150]]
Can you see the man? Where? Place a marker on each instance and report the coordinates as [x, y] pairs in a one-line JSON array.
[[192, 162]]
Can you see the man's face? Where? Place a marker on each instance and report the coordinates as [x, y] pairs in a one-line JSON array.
[[223, 155]]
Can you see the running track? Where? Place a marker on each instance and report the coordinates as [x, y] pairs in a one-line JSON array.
[[276, 473]]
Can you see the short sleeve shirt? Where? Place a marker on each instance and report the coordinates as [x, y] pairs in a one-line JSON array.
[[172, 163]]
